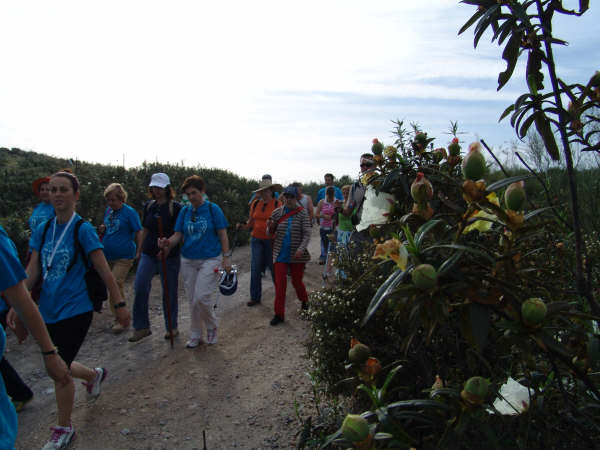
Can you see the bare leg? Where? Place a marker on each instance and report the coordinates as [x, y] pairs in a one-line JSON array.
[[65, 396]]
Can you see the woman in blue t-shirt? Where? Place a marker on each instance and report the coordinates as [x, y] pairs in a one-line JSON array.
[[203, 228], [64, 301], [13, 289], [43, 211], [121, 231]]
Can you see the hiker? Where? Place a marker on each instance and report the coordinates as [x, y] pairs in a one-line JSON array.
[[260, 242], [203, 228], [164, 207], [20, 394], [345, 227], [290, 226], [266, 177], [43, 210], [328, 177], [64, 301], [326, 215], [354, 204], [306, 201], [12, 287], [122, 238]]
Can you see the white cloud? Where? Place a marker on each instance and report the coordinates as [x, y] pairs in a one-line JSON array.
[[301, 87]]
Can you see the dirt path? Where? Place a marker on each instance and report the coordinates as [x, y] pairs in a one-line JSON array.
[[241, 391]]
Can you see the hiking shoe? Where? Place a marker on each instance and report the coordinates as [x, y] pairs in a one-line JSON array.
[[93, 388], [194, 342], [117, 328], [174, 332], [276, 320], [139, 334], [20, 404], [60, 439], [253, 303], [211, 336]]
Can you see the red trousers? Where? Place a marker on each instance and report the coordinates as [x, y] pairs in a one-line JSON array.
[[281, 271]]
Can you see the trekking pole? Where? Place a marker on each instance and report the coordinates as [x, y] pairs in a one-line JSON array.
[[163, 260]]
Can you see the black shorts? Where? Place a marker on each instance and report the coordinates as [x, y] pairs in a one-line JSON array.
[[68, 335]]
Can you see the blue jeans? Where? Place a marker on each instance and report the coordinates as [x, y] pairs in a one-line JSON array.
[[323, 232], [261, 259], [147, 268]]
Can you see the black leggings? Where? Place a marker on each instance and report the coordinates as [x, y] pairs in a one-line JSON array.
[[15, 386], [68, 335]]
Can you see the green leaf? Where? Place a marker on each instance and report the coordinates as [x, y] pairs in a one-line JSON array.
[[392, 281], [523, 130], [461, 247], [449, 263], [424, 229], [419, 404], [471, 21], [506, 112], [510, 55], [505, 182], [534, 213]]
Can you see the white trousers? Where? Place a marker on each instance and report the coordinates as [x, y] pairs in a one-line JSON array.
[[200, 283]]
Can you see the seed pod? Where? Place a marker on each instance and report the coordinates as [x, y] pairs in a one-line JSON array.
[[514, 197], [359, 354], [533, 312], [475, 390], [473, 166], [454, 147], [439, 154], [377, 147], [355, 428], [390, 151], [424, 276], [421, 189]]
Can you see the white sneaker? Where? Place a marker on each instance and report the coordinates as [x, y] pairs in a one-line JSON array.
[[60, 439], [93, 388], [211, 336], [194, 342]]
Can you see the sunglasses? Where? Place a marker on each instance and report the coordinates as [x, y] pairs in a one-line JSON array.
[[289, 196], [366, 164]]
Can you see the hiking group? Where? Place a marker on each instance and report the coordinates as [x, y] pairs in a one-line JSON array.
[[68, 258]]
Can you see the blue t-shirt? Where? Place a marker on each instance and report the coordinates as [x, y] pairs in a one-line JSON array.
[[285, 252], [41, 213], [64, 293], [12, 273], [119, 237], [337, 194], [199, 227]]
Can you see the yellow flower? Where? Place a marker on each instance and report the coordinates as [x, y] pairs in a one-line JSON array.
[[483, 225], [394, 250]]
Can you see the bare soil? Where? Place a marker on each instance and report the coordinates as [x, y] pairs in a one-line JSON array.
[[244, 392]]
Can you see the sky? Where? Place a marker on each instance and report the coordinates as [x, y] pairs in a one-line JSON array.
[[294, 89]]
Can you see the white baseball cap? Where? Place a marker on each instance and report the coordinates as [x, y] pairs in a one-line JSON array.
[[160, 180]]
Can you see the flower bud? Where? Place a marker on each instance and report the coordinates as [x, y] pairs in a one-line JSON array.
[[514, 197], [439, 154], [475, 390], [454, 147], [377, 147], [424, 276], [421, 189], [359, 354], [473, 166], [355, 428], [533, 312]]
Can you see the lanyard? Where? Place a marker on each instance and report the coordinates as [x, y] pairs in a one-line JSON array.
[[55, 246]]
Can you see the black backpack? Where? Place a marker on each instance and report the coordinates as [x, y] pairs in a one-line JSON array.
[[94, 283]]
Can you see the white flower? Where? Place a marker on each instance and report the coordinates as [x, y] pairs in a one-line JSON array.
[[513, 399], [374, 208]]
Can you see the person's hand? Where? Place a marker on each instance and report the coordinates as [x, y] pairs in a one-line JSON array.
[[123, 316], [138, 254], [15, 324], [163, 243], [101, 229], [240, 226], [326, 216], [57, 369], [298, 254]]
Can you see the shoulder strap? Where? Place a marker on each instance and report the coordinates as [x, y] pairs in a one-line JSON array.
[[46, 226], [289, 214], [254, 204], [78, 247]]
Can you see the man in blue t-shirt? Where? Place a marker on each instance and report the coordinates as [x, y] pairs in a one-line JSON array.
[[329, 182]]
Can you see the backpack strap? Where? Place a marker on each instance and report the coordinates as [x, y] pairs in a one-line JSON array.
[[46, 226], [289, 214], [78, 247]]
